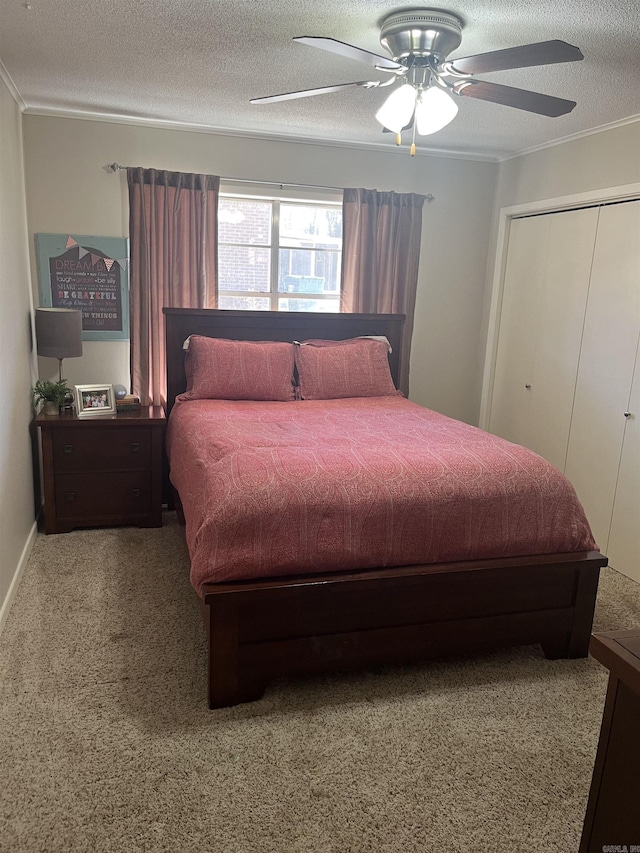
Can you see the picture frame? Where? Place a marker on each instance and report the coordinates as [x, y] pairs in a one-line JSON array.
[[92, 400], [90, 274]]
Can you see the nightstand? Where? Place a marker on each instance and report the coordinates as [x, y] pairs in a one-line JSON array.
[[102, 470], [612, 821]]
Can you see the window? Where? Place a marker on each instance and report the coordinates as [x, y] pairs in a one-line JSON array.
[[277, 254]]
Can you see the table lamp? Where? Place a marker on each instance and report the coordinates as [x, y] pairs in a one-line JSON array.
[[59, 334]]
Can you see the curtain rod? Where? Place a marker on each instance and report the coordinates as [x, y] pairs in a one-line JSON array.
[[116, 167]]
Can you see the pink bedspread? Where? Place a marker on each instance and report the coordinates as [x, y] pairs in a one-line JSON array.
[[287, 488]]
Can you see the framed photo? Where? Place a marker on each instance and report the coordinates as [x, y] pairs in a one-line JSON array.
[[94, 400]]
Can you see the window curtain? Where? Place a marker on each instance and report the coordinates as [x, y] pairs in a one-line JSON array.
[[381, 234], [173, 226]]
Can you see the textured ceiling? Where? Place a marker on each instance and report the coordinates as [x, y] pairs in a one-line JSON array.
[[199, 62]]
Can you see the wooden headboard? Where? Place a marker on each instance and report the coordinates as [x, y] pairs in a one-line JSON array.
[[270, 326]]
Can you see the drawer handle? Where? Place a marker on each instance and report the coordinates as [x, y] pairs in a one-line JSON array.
[[70, 496], [135, 493], [135, 446], [68, 448]]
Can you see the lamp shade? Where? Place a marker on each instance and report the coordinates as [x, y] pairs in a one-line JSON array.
[[397, 110], [434, 110], [59, 332]]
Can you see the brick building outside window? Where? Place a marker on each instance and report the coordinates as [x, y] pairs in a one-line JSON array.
[[277, 254]]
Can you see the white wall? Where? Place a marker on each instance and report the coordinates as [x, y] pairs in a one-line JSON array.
[[68, 190], [16, 484], [610, 158]]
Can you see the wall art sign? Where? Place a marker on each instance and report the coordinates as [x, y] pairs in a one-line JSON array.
[[89, 274]]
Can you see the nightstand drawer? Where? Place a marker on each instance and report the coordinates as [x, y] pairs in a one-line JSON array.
[[103, 494], [101, 449]]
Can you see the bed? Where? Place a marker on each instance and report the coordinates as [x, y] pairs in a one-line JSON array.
[[353, 616]]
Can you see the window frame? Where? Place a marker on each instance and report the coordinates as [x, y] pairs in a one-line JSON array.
[[290, 197]]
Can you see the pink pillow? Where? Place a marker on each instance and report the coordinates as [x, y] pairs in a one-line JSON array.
[[329, 370], [219, 369]]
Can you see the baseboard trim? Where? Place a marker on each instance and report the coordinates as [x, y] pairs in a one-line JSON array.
[[15, 583]]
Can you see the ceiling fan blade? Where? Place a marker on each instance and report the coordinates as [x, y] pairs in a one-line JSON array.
[[521, 99], [307, 93], [525, 56], [349, 51]]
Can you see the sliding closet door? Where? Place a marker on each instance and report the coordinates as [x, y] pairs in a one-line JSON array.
[[562, 308], [623, 549], [545, 295], [524, 280], [609, 345]]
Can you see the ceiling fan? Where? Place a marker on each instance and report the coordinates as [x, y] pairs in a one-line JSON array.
[[419, 41]]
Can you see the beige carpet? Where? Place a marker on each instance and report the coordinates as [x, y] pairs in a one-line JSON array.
[[106, 743]]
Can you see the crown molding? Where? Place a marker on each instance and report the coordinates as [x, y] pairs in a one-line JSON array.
[[563, 139], [11, 86], [112, 118], [165, 124]]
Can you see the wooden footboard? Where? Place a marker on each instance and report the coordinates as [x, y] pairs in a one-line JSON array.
[[260, 631]]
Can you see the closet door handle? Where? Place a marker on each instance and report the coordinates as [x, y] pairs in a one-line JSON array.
[[528, 387], [627, 414]]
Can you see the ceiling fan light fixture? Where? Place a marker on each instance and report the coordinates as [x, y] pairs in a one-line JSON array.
[[397, 110], [434, 110], [423, 79]]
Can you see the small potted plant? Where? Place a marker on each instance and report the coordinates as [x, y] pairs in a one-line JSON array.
[[52, 394]]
